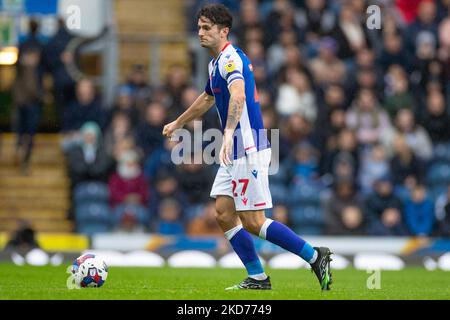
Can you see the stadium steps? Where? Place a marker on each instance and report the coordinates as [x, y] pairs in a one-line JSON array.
[[42, 195], [137, 20]]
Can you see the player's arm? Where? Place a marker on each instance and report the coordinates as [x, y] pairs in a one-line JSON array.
[[235, 107], [203, 103]]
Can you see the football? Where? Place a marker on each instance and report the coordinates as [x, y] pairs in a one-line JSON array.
[[89, 270]]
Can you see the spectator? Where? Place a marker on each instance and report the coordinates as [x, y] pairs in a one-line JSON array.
[[405, 167], [88, 160], [23, 239], [436, 118], [315, 20], [169, 222], [343, 210], [118, 131], [296, 96], [374, 165], [350, 33], [166, 185], [419, 212], [27, 99], [160, 159], [55, 60], [415, 135], [327, 68], [276, 53], [395, 53], [399, 96], [139, 90], [86, 107], [128, 185], [425, 23], [205, 224], [443, 213], [124, 104], [32, 41], [195, 180], [384, 210], [176, 82], [342, 161], [367, 118], [303, 166], [149, 133]]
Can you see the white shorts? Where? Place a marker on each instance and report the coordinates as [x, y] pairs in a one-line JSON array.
[[246, 181]]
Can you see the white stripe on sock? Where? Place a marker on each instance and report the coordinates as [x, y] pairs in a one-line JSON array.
[[230, 233], [259, 276], [314, 257], [263, 231]]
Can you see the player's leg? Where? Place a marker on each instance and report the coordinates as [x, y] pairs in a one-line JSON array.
[[319, 258], [242, 243], [256, 222]]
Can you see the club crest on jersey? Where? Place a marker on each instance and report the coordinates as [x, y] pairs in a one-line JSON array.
[[244, 200], [229, 67], [255, 173]]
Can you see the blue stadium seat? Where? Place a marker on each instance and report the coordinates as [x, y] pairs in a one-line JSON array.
[[93, 212], [441, 152], [437, 190], [90, 229], [305, 194], [438, 173], [141, 213], [91, 192], [306, 218], [279, 193]]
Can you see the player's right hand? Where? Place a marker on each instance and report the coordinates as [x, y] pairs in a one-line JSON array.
[[170, 128]]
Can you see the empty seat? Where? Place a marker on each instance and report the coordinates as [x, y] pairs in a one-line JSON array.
[[93, 212], [439, 173], [91, 192], [307, 218]]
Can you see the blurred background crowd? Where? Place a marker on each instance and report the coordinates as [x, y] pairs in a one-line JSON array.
[[364, 119]]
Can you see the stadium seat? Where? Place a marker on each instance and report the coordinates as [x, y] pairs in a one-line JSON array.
[[90, 229], [438, 173], [441, 152], [307, 218], [279, 193], [305, 194], [93, 212], [91, 192], [141, 214], [437, 190]]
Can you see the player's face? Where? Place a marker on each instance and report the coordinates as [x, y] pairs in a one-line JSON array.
[[209, 34]]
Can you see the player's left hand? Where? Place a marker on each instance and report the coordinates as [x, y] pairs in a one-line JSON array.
[[227, 148]]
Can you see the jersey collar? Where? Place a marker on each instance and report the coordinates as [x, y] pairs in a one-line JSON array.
[[221, 51]]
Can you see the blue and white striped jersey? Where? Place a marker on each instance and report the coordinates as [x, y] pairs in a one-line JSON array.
[[232, 64]]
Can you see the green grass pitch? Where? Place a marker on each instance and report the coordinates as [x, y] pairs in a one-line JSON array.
[[191, 284]]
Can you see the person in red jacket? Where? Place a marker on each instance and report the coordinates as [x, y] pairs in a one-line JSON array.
[[128, 184]]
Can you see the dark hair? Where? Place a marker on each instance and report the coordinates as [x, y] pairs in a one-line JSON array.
[[217, 13]]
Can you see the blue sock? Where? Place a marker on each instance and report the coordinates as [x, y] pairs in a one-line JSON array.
[[243, 245], [284, 237]]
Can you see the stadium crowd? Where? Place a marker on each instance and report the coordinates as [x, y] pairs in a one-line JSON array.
[[364, 119]]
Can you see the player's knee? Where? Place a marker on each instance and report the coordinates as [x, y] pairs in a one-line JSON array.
[[252, 225], [222, 215]]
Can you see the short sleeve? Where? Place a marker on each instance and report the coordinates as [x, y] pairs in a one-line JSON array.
[[231, 69], [208, 87]]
